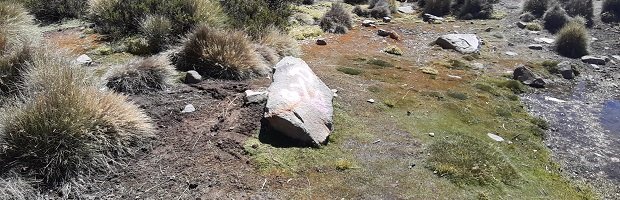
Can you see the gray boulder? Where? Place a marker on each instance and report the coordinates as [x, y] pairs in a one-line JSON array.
[[406, 9], [463, 43], [597, 60], [299, 103], [192, 77], [523, 74], [84, 60], [566, 70]]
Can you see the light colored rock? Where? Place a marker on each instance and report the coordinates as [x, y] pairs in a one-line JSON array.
[[598, 60], [535, 47], [84, 60], [387, 19], [258, 96], [370, 101], [431, 134], [429, 70], [463, 43], [495, 137], [299, 103], [192, 77], [432, 19], [478, 66], [617, 57], [510, 53], [455, 77], [544, 40], [406, 9], [368, 23], [189, 108], [554, 99]]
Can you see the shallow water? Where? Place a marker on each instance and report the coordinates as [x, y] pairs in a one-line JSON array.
[[610, 116]]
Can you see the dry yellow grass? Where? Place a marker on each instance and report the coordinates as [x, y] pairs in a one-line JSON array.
[[141, 75]]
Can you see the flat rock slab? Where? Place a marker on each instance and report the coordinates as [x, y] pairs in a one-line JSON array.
[[598, 60], [545, 40], [406, 9], [299, 103], [463, 43]]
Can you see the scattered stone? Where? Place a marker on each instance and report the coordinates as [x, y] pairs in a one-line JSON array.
[[510, 53], [189, 108], [495, 137], [394, 36], [566, 70], [544, 40], [523, 74], [598, 60], [595, 66], [431, 134], [299, 103], [383, 33], [521, 24], [536, 83], [252, 96], [463, 43], [387, 19], [429, 70], [321, 42], [488, 29], [370, 101], [192, 77], [406, 9], [535, 47], [368, 23], [84, 60], [455, 77], [554, 100], [335, 92], [617, 57], [432, 19]]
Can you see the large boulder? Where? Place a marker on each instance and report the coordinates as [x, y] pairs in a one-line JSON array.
[[463, 43], [299, 103]]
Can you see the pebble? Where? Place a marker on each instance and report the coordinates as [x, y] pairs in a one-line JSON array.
[[189, 108], [535, 47], [431, 134], [371, 101], [495, 137], [510, 53]]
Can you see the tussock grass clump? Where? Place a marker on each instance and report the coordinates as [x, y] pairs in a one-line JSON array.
[[336, 20], [157, 31], [143, 75], [437, 7], [281, 42], [257, 15], [220, 54], [16, 188], [583, 8], [16, 26], [610, 11], [65, 127], [572, 40], [555, 18], [474, 9], [12, 67], [536, 7], [359, 11], [382, 8], [55, 10], [466, 160]]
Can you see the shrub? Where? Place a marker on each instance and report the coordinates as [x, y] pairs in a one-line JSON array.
[[380, 9], [12, 66], [527, 17], [355, 2], [140, 76], [572, 40], [533, 26], [220, 54], [270, 56], [536, 7], [555, 18], [256, 15], [283, 44], [157, 30], [54, 10], [474, 9], [336, 20], [610, 11], [307, 2], [359, 11], [583, 8], [15, 188], [16, 25], [437, 7], [390, 4], [67, 128]]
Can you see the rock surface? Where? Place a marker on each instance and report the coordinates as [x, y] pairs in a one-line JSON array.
[[299, 103], [252, 96], [566, 70], [192, 77], [598, 60], [189, 108], [463, 43]]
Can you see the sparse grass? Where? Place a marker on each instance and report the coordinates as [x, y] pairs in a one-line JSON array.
[[350, 71], [536, 7], [336, 20], [610, 11], [514, 86], [540, 122], [572, 40], [142, 75], [551, 66], [555, 18], [220, 54], [466, 160], [343, 165], [380, 63], [533, 27], [394, 50], [457, 65], [457, 95]]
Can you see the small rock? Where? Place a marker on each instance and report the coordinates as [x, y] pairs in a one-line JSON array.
[[371, 101], [535, 46], [387, 19], [617, 57], [383, 33], [192, 77], [537, 83], [189, 108], [510, 53], [84, 60], [393, 50], [321, 41], [544, 40], [335, 92], [429, 70], [406, 9], [454, 77], [566, 70], [488, 29], [252, 96], [432, 19], [521, 24], [394, 36], [478, 66], [368, 23], [495, 137], [431, 134], [554, 100], [595, 66], [598, 60]]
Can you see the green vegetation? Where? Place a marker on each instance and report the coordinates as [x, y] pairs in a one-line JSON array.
[[394, 50], [380, 63], [457, 65], [350, 71], [572, 40]]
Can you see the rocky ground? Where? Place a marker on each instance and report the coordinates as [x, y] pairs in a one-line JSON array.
[[379, 150]]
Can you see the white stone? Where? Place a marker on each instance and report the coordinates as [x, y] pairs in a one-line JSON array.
[[84, 59], [495, 137], [252, 96], [554, 100], [544, 40], [189, 108], [371, 101], [463, 43]]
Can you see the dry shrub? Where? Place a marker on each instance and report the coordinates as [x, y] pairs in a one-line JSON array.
[[12, 66], [572, 40], [53, 10], [270, 56], [220, 54], [437, 7], [281, 42], [16, 188], [142, 75], [355, 2], [336, 20], [64, 127], [474, 9], [610, 11], [157, 30], [536, 7], [583, 8], [16, 25], [555, 18], [359, 11]]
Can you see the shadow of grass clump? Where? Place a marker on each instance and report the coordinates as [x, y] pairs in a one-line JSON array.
[[466, 160]]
